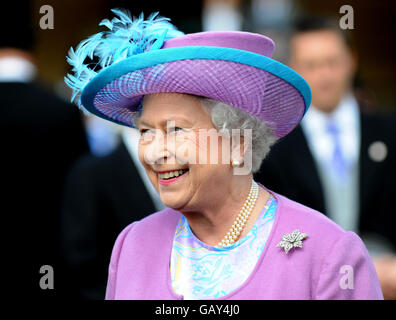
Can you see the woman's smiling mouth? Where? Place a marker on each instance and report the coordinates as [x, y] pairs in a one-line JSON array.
[[171, 176]]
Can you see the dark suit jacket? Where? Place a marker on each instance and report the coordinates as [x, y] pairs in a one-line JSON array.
[[41, 137], [103, 195], [290, 170]]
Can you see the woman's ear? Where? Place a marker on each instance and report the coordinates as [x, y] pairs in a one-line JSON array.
[[241, 146], [241, 153]]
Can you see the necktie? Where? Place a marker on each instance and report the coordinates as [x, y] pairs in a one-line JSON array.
[[338, 163]]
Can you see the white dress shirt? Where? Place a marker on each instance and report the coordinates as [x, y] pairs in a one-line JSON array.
[[16, 69], [341, 197], [346, 115]]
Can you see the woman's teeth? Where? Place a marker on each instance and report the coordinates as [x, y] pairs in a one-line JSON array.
[[171, 174]]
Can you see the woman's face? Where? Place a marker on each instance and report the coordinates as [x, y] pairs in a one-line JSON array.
[[182, 151]]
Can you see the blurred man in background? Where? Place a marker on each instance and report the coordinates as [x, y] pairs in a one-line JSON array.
[[41, 137], [339, 161]]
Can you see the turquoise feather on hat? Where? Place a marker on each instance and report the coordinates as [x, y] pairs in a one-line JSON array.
[[127, 36]]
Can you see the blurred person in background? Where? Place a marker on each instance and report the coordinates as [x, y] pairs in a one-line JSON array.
[[274, 19], [103, 138], [222, 15], [339, 161], [102, 196], [41, 137]]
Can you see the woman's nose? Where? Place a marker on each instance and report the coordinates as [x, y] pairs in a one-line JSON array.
[[157, 151]]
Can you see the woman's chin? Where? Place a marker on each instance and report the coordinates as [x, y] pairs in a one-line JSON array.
[[172, 199], [173, 203]]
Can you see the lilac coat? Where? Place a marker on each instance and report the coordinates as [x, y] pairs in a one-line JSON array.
[[139, 267]]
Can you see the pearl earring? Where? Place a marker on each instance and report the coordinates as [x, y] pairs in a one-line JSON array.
[[235, 163]]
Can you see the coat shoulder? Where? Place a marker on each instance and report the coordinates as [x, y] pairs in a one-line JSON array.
[[321, 231], [154, 228], [326, 253]]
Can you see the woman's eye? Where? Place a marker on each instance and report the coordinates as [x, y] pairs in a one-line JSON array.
[[176, 129], [146, 134]]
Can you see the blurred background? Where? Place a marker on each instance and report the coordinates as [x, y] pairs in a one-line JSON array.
[[91, 152], [373, 33]]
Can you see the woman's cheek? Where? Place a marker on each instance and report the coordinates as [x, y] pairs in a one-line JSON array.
[[210, 149], [141, 153], [186, 150]]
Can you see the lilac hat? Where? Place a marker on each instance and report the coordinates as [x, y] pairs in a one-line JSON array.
[[138, 57]]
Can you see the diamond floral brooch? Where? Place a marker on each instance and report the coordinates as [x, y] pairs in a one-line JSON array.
[[292, 240]]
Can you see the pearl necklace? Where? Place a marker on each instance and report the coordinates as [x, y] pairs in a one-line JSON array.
[[242, 217]]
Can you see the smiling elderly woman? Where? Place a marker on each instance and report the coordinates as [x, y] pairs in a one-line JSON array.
[[209, 106]]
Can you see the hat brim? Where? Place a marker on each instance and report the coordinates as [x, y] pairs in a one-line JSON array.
[[257, 84]]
